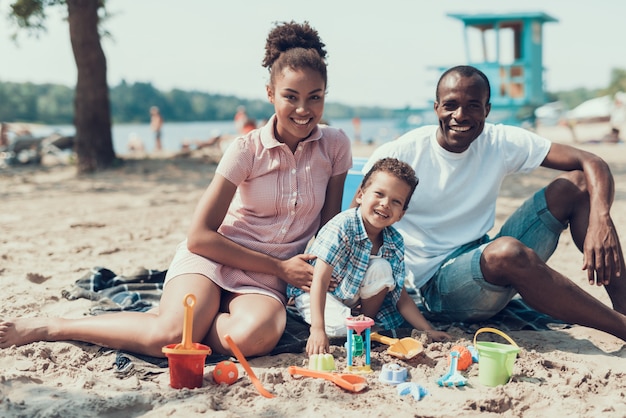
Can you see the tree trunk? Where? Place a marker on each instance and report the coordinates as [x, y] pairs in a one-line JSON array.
[[92, 113]]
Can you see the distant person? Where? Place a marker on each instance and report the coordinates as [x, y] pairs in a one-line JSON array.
[[212, 141], [240, 119], [271, 192], [135, 144], [610, 138], [356, 124], [156, 124], [364, 255], [4, 135], [618, 114], [465, 275], [249, 125]]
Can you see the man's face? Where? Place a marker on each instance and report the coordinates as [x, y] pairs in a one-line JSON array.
[[461, 109]]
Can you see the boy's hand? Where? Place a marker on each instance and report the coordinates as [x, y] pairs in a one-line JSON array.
[[439, 336], [317, 342]]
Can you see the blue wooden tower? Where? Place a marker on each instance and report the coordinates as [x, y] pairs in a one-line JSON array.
[[510, 52]]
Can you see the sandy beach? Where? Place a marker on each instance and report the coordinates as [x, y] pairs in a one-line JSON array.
[[55, 226]]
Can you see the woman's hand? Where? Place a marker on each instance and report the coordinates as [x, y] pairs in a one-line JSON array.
[[297, 271]]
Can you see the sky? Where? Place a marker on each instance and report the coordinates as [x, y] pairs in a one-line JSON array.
[[380, 53]]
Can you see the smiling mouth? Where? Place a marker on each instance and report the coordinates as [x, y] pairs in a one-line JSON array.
[[382, 215], [461, 129], [302, 122]]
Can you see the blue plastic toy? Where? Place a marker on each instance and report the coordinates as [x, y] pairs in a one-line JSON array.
[[414, 389], [453, 377]]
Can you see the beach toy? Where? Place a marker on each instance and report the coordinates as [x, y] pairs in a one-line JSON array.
[[354, 343], [453, 377], [405, 348], [186, 359], [495, 360], [418, 391], [474, 353], [225, 372], [392, 374], [323, 362], [465, 357], [351, 382], [246, 366]]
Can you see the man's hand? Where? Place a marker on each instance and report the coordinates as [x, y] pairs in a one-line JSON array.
[[602, 252]]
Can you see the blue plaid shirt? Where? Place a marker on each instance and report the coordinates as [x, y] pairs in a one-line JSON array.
[[344, 244]]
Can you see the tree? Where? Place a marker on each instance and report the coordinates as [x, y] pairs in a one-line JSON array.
[[618, 81], [92, 114]]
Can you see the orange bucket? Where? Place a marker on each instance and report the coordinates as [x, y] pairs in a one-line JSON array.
[[186, 359], [186, 369]]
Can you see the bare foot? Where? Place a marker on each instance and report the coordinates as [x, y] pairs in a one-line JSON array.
[[23, 331]]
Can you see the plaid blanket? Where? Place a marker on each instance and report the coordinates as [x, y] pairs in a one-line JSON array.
[[142, 290]]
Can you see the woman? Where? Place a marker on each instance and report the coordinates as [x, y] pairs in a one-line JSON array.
[[273, 189]]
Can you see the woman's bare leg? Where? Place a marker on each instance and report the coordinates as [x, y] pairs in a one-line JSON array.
[[140, 332], [255, 322]]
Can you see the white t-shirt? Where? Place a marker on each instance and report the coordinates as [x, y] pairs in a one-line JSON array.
[[455, 200]]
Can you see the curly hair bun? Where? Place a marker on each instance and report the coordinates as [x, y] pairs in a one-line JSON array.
[[288, 35]]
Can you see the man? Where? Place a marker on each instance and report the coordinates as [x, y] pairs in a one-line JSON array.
[[465, 275]]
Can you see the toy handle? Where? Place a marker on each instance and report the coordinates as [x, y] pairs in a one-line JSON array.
[[374, 336], [188, 303], [495, 331]]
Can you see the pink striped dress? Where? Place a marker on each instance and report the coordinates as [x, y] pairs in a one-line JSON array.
[[276, 209]]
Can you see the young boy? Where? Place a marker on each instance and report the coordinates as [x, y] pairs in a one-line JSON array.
[[364, 255]]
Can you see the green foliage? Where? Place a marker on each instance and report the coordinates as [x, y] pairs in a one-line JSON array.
[[53, 104], [573, 98], [617, 82], [30, 15], [45, 103]]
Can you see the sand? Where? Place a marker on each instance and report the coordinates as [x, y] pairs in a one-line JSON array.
[[54, 226]]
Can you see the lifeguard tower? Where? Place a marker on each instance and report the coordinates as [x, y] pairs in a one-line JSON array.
[[510, 53]]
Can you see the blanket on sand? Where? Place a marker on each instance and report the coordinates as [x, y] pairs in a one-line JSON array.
[[142, 290]]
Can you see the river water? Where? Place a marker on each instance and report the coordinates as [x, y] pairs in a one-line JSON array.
[[377, 131]]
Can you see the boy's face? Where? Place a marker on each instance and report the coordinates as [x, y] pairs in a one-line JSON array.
[[382, 201]]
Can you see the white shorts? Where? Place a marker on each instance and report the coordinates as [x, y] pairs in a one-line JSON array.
[[377, 277]]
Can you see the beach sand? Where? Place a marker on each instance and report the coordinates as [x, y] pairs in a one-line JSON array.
[[54, 226]]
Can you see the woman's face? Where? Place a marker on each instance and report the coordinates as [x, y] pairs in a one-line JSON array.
[[298, 99]]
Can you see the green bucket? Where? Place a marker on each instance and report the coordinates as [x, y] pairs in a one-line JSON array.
[[495, 360]]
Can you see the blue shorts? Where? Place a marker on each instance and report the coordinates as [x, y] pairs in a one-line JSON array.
[[459, 292]]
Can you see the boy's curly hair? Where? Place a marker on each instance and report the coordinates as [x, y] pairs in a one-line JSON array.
[[294, 45], [397, 168]]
